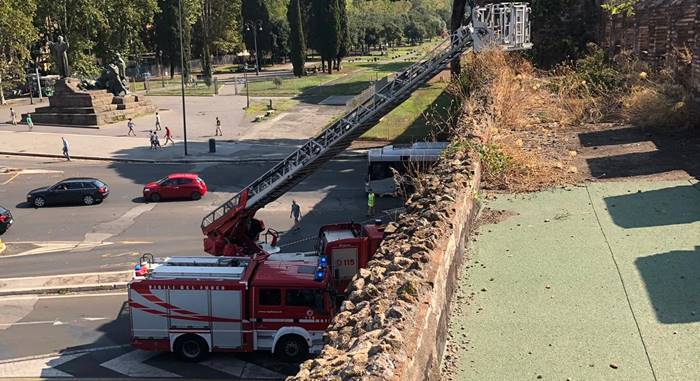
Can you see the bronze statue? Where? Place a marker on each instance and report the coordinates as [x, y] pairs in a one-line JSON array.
[[121, 65], [60, 57]]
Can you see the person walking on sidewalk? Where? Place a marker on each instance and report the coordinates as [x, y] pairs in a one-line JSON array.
[[156, 141], [13, 116], [168, 137], [158, 122], [370, 203], [131, 126], [218, 128], [151, 137], [65, 149], [295, 212], [30, 123]]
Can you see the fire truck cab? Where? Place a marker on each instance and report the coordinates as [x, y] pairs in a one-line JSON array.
[[196, 305], [348, 248]]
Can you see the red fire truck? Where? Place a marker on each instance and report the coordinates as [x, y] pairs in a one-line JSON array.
[[196, 305]]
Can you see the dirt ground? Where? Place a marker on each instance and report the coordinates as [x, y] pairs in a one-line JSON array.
[[601, 152]]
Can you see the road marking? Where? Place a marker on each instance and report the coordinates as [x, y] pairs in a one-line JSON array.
[[131, 364], [94, 318], [54, 247], [31, 297], [39, 367], [11, 178], [30, 323], [105, 230]]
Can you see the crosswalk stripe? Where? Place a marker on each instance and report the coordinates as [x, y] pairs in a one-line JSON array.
[[257, 372], [131, 364], [42, 367]]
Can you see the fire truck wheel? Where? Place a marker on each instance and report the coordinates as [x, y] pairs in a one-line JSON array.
[[292, 348], [155, 197], [191, 348]]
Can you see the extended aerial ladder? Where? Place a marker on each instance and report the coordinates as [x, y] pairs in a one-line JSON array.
[[231, 228]]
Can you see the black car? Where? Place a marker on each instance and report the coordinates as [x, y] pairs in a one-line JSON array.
[[5, 220], [87, 191]]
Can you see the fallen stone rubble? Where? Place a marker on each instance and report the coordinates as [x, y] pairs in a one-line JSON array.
[[366, 339]]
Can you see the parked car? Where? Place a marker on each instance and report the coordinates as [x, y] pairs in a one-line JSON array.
[[176, 186], [87, 191], [5, 220]]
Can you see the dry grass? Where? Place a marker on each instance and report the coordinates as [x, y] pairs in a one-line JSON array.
[[503, 96]]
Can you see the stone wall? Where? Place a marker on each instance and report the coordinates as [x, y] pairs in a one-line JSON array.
[[394, 324], [657, 29]]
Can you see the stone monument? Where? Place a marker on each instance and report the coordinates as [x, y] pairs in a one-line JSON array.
[[90, 103]]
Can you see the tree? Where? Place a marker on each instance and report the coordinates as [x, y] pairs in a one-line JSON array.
[[326, 18], [17, 34], [297, 38], [616, 7], [344, 35], [167, 32]]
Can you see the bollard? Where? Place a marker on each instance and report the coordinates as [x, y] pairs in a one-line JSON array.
[[212, 145], [269, 107]]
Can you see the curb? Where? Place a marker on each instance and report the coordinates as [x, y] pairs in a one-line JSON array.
[[355, 155], [3, 247], [65, 289]]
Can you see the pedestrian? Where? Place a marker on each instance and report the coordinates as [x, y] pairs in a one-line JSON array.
[[370, 203], [29, 122], [65, 149], [218, 128], [156, 141], [13, 116], [158, 122], [131, 126], [152, 139], [296, 212], [168, 137]]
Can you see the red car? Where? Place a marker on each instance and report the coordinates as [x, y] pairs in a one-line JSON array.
[[176, 186]]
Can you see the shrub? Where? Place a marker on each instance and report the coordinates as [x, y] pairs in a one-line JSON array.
[[277, 82]]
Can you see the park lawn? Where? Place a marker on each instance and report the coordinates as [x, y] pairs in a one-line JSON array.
[[407, 123], [357, 74], [200, 90], [292, 86], [259, 106]]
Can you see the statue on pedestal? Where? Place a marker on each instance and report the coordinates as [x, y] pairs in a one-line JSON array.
[[59, 51]]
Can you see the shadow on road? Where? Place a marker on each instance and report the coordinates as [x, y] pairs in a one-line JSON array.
[[672, 282]]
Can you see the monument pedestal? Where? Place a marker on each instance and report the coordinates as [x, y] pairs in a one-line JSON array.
[[72, 106]]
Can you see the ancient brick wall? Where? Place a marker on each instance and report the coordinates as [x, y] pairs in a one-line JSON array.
[[656, 32]]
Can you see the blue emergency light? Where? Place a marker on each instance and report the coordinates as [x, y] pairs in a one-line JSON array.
[[323, 261], [320, 274]]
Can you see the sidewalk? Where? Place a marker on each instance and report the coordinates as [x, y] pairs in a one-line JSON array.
[[57, 284], [136, 149]]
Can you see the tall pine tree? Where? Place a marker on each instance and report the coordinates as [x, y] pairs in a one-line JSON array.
[[298, 40], [326, 30], [343, 36]]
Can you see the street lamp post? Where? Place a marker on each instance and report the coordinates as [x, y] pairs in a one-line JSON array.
[[245, 55], [160, 68], [182, 77], [255, 26]]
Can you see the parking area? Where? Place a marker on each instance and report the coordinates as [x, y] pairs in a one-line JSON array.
[[600, 282]]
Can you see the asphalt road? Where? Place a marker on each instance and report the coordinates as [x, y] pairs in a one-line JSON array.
[[111, 236], [86, 335]]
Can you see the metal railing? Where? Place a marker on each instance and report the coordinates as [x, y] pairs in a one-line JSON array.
[[365, 114]]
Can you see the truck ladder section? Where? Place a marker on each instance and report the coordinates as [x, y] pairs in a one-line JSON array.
[[505, 25]]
